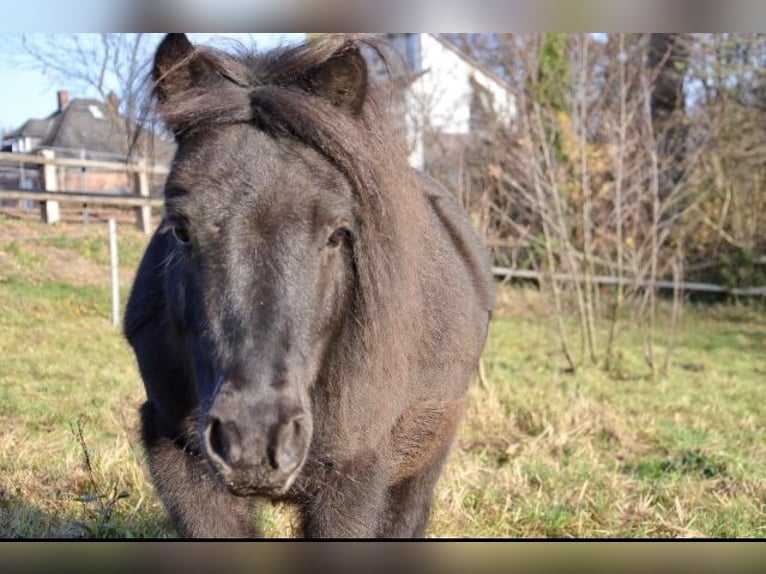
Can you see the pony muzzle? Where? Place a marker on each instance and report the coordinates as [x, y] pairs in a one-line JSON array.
[[256, 453]]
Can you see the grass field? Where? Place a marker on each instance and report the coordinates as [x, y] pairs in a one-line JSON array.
[[542, 452]]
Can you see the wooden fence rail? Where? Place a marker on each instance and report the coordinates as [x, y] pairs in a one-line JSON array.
[[49, 196], [510, 273], [14, 159], [112, 199]]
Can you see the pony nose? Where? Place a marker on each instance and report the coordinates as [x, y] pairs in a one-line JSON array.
[[282, 447], [288, 444]]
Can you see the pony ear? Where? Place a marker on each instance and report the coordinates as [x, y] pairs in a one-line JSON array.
[[341, 79], [178, 66]]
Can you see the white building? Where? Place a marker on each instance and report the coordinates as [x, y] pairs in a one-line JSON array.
[[448, 94]]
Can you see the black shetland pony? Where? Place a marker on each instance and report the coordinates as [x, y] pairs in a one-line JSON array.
[[309, 314]]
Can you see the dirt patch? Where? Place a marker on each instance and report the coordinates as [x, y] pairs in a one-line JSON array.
[[26, 251], [69, 267]]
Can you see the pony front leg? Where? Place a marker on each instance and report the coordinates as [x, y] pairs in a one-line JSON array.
[[409, 501], [198, 505], [345, 500]]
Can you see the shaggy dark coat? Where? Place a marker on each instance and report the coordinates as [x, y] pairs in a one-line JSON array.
[[309, 314]]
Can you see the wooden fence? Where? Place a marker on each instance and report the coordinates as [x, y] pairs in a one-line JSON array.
[[508, 273], [49, 196]]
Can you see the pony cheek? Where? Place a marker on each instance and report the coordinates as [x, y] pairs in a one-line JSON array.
[[208, 378], [334, 296]]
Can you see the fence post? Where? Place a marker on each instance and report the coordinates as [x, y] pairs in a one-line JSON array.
[[141, 188], [115, 268], [49, 210]]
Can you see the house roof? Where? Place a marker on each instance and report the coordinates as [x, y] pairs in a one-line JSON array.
[[86, 127], [31, 128], [86, 124], [447, 43], [444, 40]]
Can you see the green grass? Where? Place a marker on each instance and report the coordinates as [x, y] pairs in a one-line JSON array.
[[545, 452], [62, 361], [542, 452]]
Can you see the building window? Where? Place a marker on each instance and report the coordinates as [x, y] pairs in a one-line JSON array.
[[95, 112], [482, 111]]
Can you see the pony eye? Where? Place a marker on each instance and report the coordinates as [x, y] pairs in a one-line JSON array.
[[181, 233], [338, 237]]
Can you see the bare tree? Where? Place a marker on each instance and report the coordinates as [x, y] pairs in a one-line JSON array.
[[590, 186], [110, 65]]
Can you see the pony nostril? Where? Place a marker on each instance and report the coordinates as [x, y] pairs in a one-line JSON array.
[[223, 441], [290, 445]]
